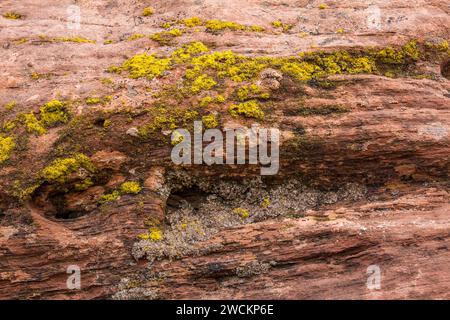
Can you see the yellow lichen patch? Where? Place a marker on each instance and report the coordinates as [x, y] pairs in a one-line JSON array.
[[20, 41], [249, 109], [148, 11], [108, 197], [176, 138], [244, 92], [280, 25], [166, 37], [192, 22], [265, 203], [32, 124], [243, 213], [10, 105], [7, 144], [215, 25], [60, 169], [74, 39], [153, 234], [107, 124], [53, 112], [130, 187], [135, 36], [203, 82], [441, 45], [210, 121], [185, 53], [97, 100], [145, 65], [302, 71], [12, 15], [8, 125], [323, 6], [84, 185], [410, 50]]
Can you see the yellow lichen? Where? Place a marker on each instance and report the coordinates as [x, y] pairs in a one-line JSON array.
[[148, 11], [265, 203], [53, 112], [210, 121], [244, 92], [12, 15], [192, 22], [108, 197], [153, 234], [243, 213], [166, 37], [10, 105], [135, 36], [281, 25], [60, 169], [7, 144], [32, 124], [249, 109], [203, 82], [130, 187], [84, 185], [176, 138], [145, 65], [74, 39]]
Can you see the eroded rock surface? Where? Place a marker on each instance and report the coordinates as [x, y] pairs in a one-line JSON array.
[[360, 94]]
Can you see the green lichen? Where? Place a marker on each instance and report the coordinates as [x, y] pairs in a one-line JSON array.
[[7, 145]]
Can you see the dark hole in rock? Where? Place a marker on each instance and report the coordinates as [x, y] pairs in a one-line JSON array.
[[445, 69], [192, 196], [61, 211], [99, 122]]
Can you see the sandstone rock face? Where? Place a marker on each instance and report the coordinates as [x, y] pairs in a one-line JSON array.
[[359, 208]]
